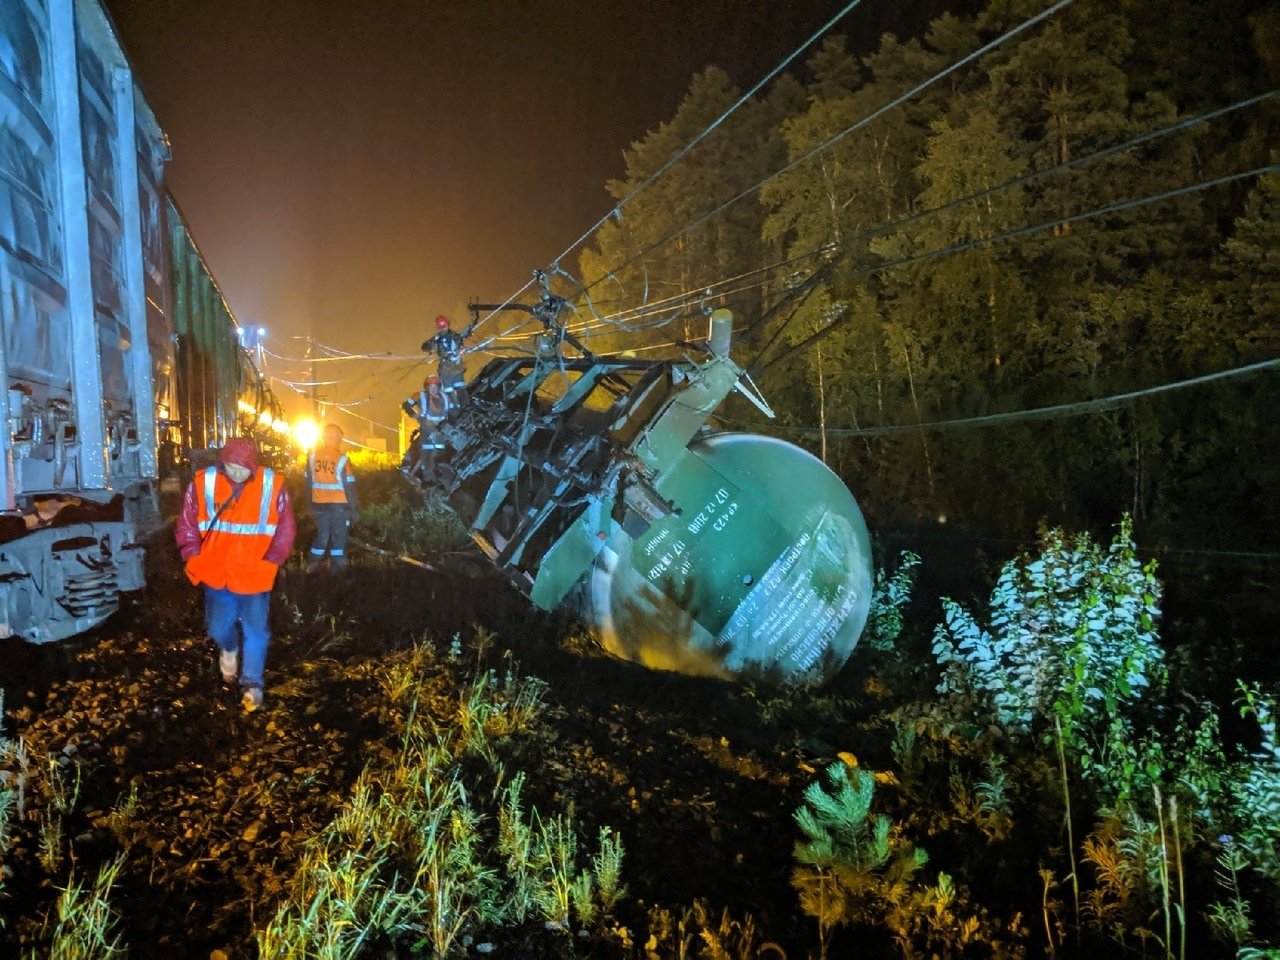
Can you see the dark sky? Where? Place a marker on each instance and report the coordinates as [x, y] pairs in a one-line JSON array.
[[351, 169]]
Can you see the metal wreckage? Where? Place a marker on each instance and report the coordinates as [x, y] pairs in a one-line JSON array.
[[597, 482]]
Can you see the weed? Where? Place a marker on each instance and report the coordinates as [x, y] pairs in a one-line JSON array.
[[1231, 919], [85, 919], [995, 810], [889, 600], [516, 845], [1255, 792], [554, 852], [408, 861], [61, 801], [494, 709], [606, 868], [123, 819]]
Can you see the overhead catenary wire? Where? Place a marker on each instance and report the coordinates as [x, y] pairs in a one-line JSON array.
[[1015, 234], [629, 319], [831, 141], [616, 210], [1054, 411], [710, 128]]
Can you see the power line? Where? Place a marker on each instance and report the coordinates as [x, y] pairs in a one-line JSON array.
[[1018, 233], [336, 358], [709, 129], [852, 128], [626, 319], [1078, 408], [1184, 124]]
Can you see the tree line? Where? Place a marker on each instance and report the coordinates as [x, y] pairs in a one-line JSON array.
[[874, 282]]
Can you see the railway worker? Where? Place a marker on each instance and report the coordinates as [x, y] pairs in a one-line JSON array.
[[447, 345], [331, 491], [431, 407], [235, 529]]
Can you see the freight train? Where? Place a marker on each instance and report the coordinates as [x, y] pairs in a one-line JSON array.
[[120, 355], [599, 483]]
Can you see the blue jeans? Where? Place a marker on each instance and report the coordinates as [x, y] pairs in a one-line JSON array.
[[333, 523], [223, 610]]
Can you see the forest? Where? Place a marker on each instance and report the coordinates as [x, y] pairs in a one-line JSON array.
[[1020, 287], [888, 278]]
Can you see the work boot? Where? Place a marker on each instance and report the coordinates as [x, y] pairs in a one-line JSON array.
[[229, 664], [251, 699]]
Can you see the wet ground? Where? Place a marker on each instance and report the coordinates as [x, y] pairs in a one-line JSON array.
[[700, 778], [697, 784]]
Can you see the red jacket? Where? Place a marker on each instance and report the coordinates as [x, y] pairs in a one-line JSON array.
[[187, 529]]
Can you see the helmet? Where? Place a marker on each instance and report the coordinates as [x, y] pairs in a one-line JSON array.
[[433, 379], [442, 323]]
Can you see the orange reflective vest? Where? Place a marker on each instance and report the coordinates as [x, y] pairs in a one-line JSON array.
[[328, 471], [233, 546]]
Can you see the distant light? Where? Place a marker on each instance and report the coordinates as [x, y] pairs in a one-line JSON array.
[[306, 433], [262, 331], [265, 417]]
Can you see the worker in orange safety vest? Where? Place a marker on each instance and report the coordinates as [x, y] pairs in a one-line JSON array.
[[331, 491], [235, 529]]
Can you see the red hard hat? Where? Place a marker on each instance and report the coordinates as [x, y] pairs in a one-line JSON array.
[[442, 322], [433, 379]]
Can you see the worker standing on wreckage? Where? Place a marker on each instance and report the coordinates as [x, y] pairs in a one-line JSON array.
[[431, 407], [447, 345], [235, 529]]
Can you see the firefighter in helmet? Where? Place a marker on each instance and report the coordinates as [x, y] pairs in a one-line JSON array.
[[447, 345], [430, 406]]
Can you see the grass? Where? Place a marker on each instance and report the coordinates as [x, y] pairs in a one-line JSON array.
[[412, 861], [85, 924]]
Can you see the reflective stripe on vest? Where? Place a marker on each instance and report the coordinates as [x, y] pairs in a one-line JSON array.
[[426, 413], [337, 472], [261, 528]]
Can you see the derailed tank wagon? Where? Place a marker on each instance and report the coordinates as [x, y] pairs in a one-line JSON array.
[[598, 483], [119, 355]]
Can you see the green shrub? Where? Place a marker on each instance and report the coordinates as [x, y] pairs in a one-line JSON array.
[[1072, 643], [850, 866], [889, 599], [1255, 790]]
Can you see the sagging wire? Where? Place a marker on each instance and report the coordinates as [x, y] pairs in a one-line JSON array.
[[1110, 208], [616, 211], [334, 359], [1055, 411], [629, 318], [852, 128]]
